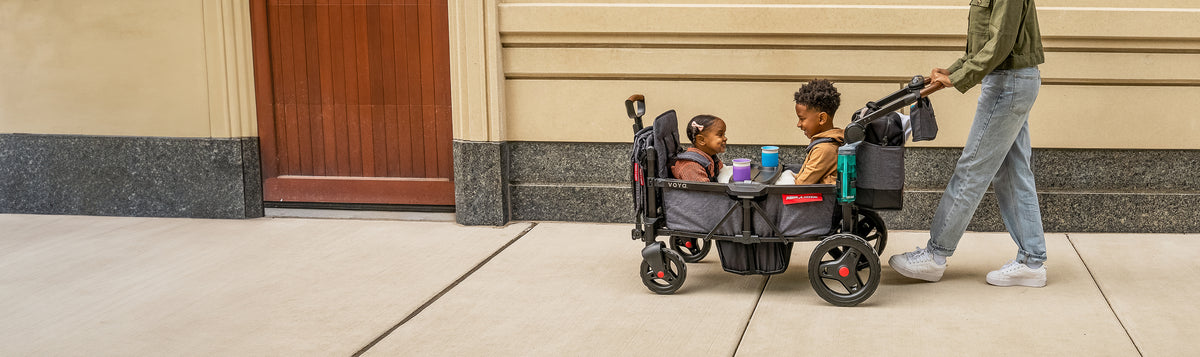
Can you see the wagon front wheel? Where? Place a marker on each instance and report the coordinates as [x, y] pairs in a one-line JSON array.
[[669, 279], [844, 270], [691, 249]]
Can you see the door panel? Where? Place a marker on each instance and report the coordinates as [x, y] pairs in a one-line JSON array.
[[354, 100]]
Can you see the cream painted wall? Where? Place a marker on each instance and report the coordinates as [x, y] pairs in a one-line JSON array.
[[568, 65], [523, 67], [176, 68]]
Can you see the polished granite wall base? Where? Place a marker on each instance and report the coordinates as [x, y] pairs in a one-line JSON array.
[[575, 203], [130, 176], [1080, 190], [481, 190], [1068, 212]]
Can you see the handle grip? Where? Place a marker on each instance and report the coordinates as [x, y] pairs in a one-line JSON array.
[[635, 107], [936, 86]]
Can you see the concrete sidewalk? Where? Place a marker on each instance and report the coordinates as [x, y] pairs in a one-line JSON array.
[[120, 286]]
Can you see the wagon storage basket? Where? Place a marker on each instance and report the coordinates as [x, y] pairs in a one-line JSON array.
[[754, 258]]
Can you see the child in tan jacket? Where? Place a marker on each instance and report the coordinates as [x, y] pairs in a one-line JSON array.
[[816, 103]]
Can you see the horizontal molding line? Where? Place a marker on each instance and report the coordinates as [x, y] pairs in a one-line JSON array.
[[620, 34], [1131, 23], [670, 46], [827, 6], [826, 35], [741, 6], [697, 46], [829, 41], [840, 79]]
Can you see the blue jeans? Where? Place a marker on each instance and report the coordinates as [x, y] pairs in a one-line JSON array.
[[997, 152]]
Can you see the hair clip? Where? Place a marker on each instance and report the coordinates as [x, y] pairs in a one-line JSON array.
[[697, 126]]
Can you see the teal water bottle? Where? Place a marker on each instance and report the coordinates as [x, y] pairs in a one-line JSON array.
[[847, 169]]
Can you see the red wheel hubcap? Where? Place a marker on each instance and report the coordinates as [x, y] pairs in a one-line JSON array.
[[661, 274], [844, 271]]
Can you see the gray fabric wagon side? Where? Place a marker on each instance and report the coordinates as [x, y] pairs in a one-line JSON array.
[[798, 211], [695, 210], [699, 211]]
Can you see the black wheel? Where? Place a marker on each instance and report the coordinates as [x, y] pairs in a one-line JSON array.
[[691, 249], [844, 270], [870, 227], [665, 282]]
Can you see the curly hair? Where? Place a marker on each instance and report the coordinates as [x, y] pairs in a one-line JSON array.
[[698, 124], [821, 95]]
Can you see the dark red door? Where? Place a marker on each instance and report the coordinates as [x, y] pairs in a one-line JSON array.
[[354, 100]]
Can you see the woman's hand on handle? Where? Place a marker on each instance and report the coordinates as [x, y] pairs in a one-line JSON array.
[[943, 78], [938, 78]]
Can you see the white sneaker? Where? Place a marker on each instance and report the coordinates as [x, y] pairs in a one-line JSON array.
[[917, 264], [1015, 273]]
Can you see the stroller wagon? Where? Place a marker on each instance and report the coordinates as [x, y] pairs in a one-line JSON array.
[[755, 223]]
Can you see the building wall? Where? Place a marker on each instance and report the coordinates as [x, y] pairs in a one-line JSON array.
[[174, 68], [134, 68], [138, 107], [146, 107], [741, 60], [556, 73]]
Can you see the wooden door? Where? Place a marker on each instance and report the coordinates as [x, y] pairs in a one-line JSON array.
[[354, 100]]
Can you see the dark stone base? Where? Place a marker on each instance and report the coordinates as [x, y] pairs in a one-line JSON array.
[[1068, 212], [1075, 170], [558, 202], [130, 176], [252, 180], [481, 190], [1062, 212], [1150, 191]]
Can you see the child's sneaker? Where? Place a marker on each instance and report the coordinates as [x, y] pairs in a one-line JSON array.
[[917, 264], [1015, 273]]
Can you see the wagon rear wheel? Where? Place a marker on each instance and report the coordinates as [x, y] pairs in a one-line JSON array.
[[844, 270], [691, 249], [871, 228]]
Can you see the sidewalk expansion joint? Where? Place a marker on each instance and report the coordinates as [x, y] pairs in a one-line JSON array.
[[1102, 294], [444, 291], [752, 311]]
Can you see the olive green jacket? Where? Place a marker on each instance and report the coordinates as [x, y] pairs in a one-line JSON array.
[[1002, 34]]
